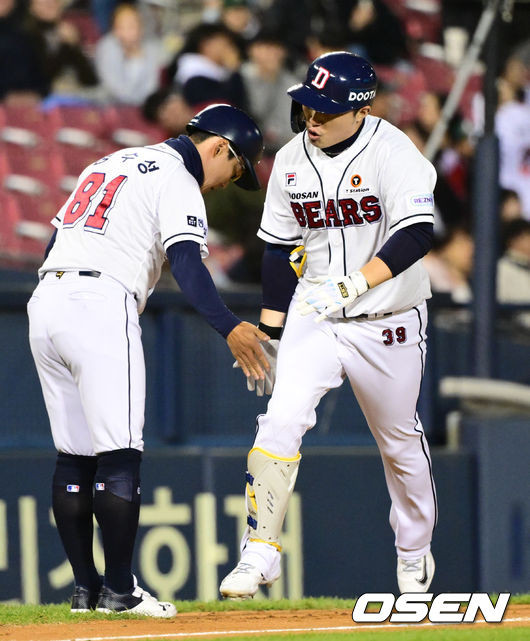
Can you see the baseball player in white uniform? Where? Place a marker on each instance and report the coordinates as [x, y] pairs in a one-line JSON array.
[[127, 213], [350, 206]]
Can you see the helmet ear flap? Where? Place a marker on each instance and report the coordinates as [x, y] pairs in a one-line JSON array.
[[297, 117]]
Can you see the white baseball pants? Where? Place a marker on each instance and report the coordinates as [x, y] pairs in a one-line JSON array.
[[383, 360], [86, 341]]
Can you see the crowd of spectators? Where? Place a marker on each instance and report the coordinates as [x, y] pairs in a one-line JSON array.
[[167, 59]]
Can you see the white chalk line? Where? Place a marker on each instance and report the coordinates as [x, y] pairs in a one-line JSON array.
[[214, 633]]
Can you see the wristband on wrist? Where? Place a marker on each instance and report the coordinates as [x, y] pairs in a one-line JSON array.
[[273, 332]]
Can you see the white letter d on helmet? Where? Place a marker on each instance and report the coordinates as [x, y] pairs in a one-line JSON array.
[[321, 78]]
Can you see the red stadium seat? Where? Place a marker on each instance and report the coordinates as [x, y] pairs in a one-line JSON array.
[[130, 129], [43, 164], [438, 75], [27, 118], [76, 159], [84, 118], [407, 86], [10, 245], [424, 26], [39, 207]]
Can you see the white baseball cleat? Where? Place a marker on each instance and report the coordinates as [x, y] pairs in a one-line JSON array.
[[136, 601], [243, 582], [415, 575]]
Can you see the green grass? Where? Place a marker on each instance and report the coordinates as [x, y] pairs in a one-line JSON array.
[[16, 614]]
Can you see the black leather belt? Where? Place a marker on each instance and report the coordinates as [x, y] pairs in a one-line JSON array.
[[374, 316]]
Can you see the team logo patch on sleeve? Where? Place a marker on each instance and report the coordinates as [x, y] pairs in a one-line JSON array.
[[100, 486], [422, 200], [290, 179], [72, 488], [192, 220]]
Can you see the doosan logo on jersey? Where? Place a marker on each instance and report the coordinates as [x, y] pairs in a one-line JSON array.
[[303, 194]]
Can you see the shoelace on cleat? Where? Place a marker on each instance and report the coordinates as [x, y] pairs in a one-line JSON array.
[[243, 568], [413, 565]]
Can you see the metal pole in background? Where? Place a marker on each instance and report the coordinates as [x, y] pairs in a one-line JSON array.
[[485, 205], [487, 19]]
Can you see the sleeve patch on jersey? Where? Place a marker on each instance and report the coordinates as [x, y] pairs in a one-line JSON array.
[[192, 220], [290, 179], [425, 201]]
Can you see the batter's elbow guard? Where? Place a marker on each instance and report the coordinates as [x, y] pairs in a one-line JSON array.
[[297, 260], [270, 483]]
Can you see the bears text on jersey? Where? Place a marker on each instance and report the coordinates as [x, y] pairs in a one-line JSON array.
[[313, 215]]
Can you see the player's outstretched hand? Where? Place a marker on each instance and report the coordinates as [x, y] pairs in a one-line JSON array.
[[331, 295], [244, 343], [264, 386]]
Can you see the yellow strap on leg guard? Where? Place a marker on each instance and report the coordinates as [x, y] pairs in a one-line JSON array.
[[270, 483]]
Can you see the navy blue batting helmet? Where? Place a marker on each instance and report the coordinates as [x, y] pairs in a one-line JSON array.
[[336, 82], [240, 130]]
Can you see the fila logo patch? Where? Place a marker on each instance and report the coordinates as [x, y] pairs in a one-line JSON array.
[[290, 179]]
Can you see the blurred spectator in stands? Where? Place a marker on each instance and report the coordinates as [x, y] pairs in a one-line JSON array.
[[517, 71], [370, 27], [512, 125], [240, 18], [65, 66], [375, 30], [161, 20], [102, 10], [386, 103], [207, 69], [322, 40], [510, 205], [513, 268], [128, 65], [266, 81], [21, 76], [168, 109], [449, 264], [291, 21]]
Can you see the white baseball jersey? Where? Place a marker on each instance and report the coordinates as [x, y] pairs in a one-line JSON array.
[[125, 211], [344, 208]]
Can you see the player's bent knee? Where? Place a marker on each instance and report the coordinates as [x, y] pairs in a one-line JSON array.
[[118, 472], [270, 483], [74, 473]]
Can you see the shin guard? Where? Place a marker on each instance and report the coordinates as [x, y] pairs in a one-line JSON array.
[[270, 483]]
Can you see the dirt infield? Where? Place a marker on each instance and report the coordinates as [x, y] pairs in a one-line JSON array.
[[207, 625]]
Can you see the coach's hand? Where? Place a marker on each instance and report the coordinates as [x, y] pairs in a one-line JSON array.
[[332, 294], [244, 343]]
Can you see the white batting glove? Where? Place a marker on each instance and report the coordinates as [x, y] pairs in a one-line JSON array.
[[332, 294], [265, 386]]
